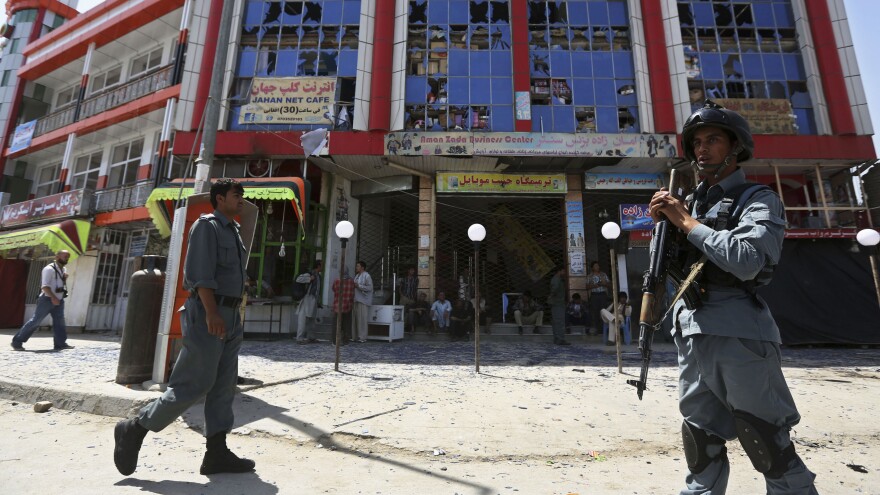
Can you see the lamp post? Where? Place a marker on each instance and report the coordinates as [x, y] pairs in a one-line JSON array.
[[611, 231], [869, 238], [344, 231], [477, 233]]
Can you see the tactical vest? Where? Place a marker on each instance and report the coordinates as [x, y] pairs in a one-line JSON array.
[[725, 215]]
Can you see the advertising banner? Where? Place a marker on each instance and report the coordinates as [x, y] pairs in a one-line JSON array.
[[529, 144], [68, 204], [622, 181], [635, 217], [574, 218], [290, 100], [21, 139], [463, 182], [764, 115]]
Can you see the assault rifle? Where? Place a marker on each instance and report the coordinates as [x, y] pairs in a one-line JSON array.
[[668, 245]]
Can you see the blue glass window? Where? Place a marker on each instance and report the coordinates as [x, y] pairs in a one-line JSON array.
[[300, 38], [745, 50]]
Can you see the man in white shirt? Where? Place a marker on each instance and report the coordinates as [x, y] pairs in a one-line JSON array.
[[53, 290]]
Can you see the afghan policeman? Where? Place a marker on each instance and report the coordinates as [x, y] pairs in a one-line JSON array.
[[730, 375], [214, 273]]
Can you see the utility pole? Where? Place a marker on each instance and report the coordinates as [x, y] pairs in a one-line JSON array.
[[215, 97]]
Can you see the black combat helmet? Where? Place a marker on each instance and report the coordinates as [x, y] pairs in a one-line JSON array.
[[713, 114]]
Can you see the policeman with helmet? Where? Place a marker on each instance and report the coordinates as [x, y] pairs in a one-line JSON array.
[[730, 377]]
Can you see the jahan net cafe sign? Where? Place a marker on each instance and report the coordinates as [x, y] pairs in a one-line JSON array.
[[290, 100]]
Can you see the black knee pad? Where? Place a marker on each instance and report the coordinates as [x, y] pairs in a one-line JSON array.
[[695, 442], [758, 440]]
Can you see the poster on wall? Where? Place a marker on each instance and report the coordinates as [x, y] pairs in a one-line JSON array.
[[290, 100], [523, 106], [635, 217], [574, 217]]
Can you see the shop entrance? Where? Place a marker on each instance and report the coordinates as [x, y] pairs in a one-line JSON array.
[[525, 239]]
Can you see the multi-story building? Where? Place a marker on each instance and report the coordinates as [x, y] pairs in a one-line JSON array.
[[539, 119]]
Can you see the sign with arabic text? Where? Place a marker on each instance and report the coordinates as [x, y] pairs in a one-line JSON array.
[[622, 181], [67, 204], [527, 144], [764, 115], [820, 233], [290, 100], [635, 217], [462, 182]]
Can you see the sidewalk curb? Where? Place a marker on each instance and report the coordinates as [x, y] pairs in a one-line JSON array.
[[105, 399]]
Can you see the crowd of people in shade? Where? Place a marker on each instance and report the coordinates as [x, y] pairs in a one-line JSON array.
[[595, 312]]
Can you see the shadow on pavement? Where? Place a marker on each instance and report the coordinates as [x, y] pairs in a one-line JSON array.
[[252, 409], [250, 482]]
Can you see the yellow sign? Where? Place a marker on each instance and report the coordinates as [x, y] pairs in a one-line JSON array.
[[500, 183], [764, 115], [290, 100]]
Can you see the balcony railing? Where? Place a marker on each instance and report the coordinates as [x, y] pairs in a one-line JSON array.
[[122, 197], [130, 91], [55, 120], [107, 100]]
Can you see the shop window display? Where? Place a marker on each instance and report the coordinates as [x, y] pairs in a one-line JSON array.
[[746, 51]]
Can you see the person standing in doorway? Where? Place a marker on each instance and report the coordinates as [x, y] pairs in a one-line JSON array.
[[53, 290], [556, 299], [308, 307], [214, 274], [363, 299]]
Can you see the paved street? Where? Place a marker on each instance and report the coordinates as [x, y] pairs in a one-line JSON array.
[[537, 419]]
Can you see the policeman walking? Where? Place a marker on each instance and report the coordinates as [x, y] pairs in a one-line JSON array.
[[730, 377], [214, 273]]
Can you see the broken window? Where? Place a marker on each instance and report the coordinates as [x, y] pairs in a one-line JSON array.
[[310, 37], [585, 118], [579, 39], [312, 12], [556, 12], [458, 36], [559, 39], [349, 38], [330, 37], [767, 41], [621, 38], [418, 12], [788, 41], [500, 12], [273, 12], [601, 39], [415, 119], [742, 12], [479, 38], [626, 118], [537, 13], [538, 38], [479, 118], [479, 12]]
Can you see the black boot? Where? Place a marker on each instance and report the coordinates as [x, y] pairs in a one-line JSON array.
[[219, 459], [129, 435]]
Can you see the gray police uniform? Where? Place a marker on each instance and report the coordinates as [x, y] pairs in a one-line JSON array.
[[730, 373], [207, 366]]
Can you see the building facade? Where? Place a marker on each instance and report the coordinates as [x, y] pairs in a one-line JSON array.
[[542, 120]]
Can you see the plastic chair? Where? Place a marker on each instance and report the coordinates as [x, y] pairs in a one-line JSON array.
[[627, 336]]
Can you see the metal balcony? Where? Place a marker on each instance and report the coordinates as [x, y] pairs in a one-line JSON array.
[[123, 197], [106, 100], [128, 92]]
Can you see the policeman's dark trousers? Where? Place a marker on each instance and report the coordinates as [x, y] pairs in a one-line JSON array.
[[718, 375], [207, 367]]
